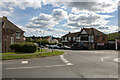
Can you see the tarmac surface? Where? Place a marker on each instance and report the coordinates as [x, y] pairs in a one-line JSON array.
[[72, 64]]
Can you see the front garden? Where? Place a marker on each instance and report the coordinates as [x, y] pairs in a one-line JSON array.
[[27, 50]]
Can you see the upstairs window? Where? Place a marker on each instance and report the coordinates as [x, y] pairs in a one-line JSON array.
[[69, 38], [98, 36], [73, 38], [84, 38], [17, 35]]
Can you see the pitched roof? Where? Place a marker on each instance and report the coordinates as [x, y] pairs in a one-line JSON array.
[[71, 34], [93, 31], [6, 24], [90, 31]]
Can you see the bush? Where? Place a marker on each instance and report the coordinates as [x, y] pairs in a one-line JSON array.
[[16, 47], [29, 48], [23, 47]]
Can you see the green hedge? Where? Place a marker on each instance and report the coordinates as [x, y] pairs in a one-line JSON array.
[[23, 47]]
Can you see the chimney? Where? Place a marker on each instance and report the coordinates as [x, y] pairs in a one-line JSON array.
[[4, 17]]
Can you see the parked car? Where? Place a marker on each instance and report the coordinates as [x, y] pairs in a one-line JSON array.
[[46, 45], [41, 46], [51, 46], [56, 47], [79, 46], [65, 47]]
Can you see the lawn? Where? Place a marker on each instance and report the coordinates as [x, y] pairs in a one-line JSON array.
[[26, 56], [43, 50]]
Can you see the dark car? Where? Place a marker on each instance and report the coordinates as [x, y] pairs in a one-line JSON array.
[[79, 47]]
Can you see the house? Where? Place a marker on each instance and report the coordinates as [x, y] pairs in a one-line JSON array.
[[90, 38], [10, 34], [50, 40]]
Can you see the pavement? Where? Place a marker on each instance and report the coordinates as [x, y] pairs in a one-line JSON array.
[[72, 64]]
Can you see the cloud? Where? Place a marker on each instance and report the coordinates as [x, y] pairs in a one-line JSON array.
[[42, 21], [23, 4], [46, 20], [102, 7], [87, 20], [59, 14], [99, 6], [108, 28], [8, 6]]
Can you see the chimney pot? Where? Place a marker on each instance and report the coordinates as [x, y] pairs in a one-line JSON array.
[[4, 17]]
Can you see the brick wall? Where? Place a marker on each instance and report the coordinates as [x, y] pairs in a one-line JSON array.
[[6, 39]]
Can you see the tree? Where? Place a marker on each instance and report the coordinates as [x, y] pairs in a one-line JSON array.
[[29, 39]]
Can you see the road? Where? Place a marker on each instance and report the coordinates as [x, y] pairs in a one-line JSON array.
[[72, 64]]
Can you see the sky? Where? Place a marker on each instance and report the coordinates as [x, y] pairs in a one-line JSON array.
[[57, 18]]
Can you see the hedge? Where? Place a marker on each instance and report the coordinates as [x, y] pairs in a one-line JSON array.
[[23, 47]]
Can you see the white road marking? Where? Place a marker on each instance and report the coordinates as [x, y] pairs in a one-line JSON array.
[[116, 59], [36, 67], [24, 62], [102, 59], [65, 60]]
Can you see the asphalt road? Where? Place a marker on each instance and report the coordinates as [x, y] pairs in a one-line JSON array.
[[73, 64]]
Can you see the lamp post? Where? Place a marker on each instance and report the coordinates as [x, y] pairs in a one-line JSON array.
[[116, 47], [52, 46], [5, 45]]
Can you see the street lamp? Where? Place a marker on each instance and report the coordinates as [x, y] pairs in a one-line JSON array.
[[116, 47]]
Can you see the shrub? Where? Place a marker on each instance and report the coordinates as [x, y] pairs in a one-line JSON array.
[[16, 47], [28, 48], [23, 47]]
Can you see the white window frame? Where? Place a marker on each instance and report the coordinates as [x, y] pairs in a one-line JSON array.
[[12, 40], [73, 38], [17, 35], [65, 38], [69, 38]]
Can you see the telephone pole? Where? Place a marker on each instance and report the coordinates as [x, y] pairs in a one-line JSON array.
[[116, 47]]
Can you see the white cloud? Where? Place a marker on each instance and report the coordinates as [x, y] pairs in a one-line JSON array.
[[87, 20], [59, 14], [46, 20], [108, 29], [64, 7], [9, 5], [103, 7], [100, 6], [42, 21]]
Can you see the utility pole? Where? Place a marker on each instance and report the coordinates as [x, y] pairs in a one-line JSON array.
[[52, 46], [90, 38], [116, 47]]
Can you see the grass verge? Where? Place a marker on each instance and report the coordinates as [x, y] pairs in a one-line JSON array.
[[43, 50], [26, 56]]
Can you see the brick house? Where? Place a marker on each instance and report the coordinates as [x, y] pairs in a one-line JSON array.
[[10, 34], [90, 38]]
